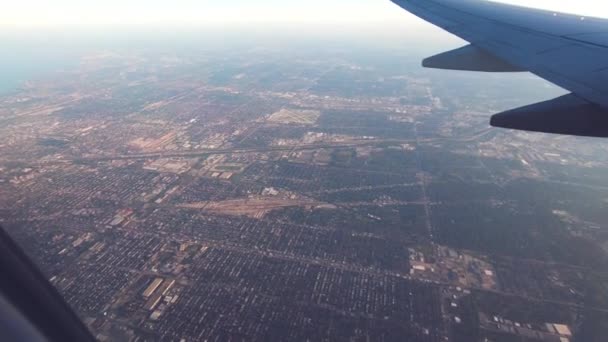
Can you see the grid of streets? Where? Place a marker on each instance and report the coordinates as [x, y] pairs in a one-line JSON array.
[[208, 198]]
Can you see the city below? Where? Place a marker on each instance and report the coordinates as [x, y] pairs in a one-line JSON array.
[[265, 195]]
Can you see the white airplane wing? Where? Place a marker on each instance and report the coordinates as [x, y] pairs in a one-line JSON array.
[[568, 50]]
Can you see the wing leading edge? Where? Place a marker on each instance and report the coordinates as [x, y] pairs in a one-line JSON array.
[[568, 50]]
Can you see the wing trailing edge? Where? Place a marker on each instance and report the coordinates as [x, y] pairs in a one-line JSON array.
[[469, 58], [568, 114], [571, 51]]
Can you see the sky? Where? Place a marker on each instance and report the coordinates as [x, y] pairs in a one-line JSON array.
[[44, 14]]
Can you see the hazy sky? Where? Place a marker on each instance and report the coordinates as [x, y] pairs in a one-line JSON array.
[[194, 13]]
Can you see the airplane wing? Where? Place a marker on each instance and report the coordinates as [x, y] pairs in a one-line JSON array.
[[568, 50]]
